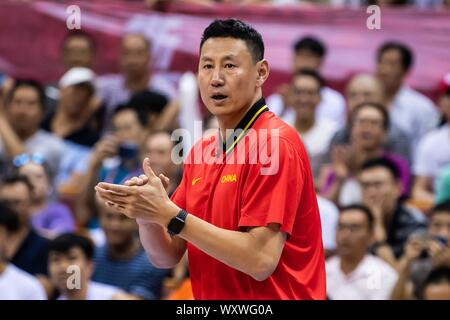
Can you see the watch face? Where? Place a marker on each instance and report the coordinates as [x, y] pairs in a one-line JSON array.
[[176, 224]]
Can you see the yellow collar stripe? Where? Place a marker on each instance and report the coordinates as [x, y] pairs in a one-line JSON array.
[[246, 128]]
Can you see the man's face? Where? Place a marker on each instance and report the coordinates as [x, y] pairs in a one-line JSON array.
[[126, 127], [18, 197], [59, 262], [227, 75], [353, 235], [437, 291], [158, 149], [367, 131], [306, 96], [379, 186], [134, 56], [119, 229], [305, 59], [78, 52], [75, 99], [439, 225], [390, 69], [38, 177], [362, 91], [24, 111]]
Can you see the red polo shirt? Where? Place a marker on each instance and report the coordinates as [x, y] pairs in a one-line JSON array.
[[261, 176]]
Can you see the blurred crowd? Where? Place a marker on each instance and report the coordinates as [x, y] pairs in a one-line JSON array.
[[379, 150]]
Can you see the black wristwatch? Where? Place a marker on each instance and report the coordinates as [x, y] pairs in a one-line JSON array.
[[177, 223]]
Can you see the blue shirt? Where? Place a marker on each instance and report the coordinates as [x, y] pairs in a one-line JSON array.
[[135, 275]]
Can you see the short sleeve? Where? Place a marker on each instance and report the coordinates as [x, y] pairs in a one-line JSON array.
[[274, 197]]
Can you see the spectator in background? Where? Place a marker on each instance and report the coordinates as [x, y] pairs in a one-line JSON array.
[[19, 126], [408, 109], [368, 128], [68, 250], [48, 217], [135, 64], [394, 222], [75, 118], [158, 148], [316, 133], [309, 53], [329, 215], [437, 285], [433, 152], [78, 50], [15, 284], [123, 255], [26, 248], [150, 106], [423, 253], [366, 88], [115, 158], [354, 274]]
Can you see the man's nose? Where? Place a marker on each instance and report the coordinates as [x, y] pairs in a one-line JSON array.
[[217, 78]]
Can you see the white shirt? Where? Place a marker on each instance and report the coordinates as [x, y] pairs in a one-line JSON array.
[[329, 215], [332, 107], [373, 279], [414, 113], [433, 153], [98, 291], [317, 142], [16, 284]]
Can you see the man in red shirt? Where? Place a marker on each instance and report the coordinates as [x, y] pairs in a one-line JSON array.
[[247, 211]]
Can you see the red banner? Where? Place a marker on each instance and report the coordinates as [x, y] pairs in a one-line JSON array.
[[31, 35]]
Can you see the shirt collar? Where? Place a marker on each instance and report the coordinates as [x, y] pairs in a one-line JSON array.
[[258, 108]]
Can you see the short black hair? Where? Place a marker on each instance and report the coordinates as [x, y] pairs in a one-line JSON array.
[[383, 163], [237, 29], [126, 107], [19, 83], [362, 208], [405, 52], [148, 102], [16, 178], [8, 218], [441, 208], [311, 73], [311, 44], [81, 34], [65, 242], [377, 106], [437, 276]]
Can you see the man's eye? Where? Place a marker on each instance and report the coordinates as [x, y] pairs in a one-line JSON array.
[[229, 66], [207, 66]]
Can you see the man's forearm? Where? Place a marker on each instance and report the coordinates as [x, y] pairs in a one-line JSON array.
[[249, 252], [162, 250]]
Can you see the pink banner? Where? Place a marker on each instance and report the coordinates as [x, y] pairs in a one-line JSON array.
[[31, 34]]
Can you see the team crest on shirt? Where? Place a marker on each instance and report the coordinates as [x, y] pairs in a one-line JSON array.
[[228, 178]]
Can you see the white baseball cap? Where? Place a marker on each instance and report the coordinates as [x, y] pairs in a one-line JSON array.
[[75, 76]]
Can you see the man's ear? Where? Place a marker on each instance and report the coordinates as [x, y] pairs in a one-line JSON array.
[[263, 72]]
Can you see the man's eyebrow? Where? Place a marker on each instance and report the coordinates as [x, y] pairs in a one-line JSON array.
[[227, 57]]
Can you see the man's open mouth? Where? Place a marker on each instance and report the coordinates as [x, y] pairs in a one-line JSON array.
[[219, 97]]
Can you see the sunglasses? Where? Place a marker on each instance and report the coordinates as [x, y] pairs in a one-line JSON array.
[[25, 158]]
